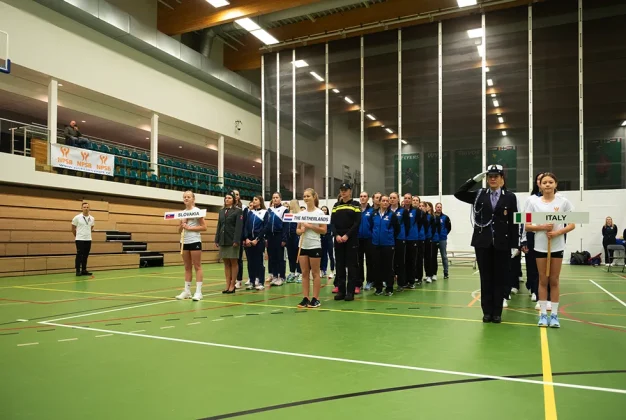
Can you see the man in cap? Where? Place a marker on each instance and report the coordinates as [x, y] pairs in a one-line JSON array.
[[345, 219], [495, 237]]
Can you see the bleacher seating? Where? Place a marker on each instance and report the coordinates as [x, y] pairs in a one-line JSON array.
[[36, 238]]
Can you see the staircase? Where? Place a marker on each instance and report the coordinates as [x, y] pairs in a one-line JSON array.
[[146, 258]]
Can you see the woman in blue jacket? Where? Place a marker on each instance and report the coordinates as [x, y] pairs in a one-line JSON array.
[[274, 235], [328, 252], [528, 247], [255, 243], [385, 229], [421, 237], [432, 233]]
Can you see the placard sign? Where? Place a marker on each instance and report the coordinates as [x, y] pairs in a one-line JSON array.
[[299, 218], [542, 218], [186, 214]]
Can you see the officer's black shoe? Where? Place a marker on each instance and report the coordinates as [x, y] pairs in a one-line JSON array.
[[496, 319], [349, 297], [487, 318], [340, 296]]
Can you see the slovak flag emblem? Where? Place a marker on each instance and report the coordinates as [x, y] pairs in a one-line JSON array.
[[288, 217], [169, 216]]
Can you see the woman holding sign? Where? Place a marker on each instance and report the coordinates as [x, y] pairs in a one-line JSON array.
[[192, 247], [311, 249], [227, 239], [549, 243]]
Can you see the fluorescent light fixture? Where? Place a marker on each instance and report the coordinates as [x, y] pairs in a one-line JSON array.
[[498, 114], [475, 33], [624, 123], [480, 50], [84, 121], [465, 3], [404, 141], [264, 36], [389, 130], [60, 85], [301, 63], [147, 138], [247, 24], [180, 147], [489, 82], [254, 166], [501, 120], [496, 103], [218, 3], [336, 90], [371, 117], [348, 100], [487, 69], [504, 133], [317, 76], [493, 95]]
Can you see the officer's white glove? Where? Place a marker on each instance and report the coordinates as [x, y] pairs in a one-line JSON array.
[[480, 176], [514, 252]]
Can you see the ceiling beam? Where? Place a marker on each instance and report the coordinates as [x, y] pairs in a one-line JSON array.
[[194, 15]]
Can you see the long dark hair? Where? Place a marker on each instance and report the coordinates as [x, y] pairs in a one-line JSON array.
[[535, 190]]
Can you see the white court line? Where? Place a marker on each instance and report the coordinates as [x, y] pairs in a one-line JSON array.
[[27, 344], [474, 273], [240, 316], [194, 323], [169, 326], [218, 319], [104, 335], [69, 339], [138, 331], [336, 359], [22, 320], [113, 310], [609, 293]]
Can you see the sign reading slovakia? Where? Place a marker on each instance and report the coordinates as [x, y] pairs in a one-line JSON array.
[[186, 214], [542, 218], [76, 159], [298, 218]]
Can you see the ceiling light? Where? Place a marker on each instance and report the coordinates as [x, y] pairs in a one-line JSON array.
[[348, 100], [480, 50], [371, 117], [264, 36], [147, 138], [489, 82], [180, 147], [498, 114], [501, 120], [465, 3], [247, 24], [84, 121], [218, 3], [336, 90], [475, 33], [504, 133], [493, 95], [254, 166], [404, 141], [317, 76], [60, 85], [624, 123], [496, 103], [300, 63], [389, 130]]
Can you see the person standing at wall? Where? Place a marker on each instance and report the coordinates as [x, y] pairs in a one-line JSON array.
[[227, 239], [82, 226], [399, 253], [328, 250], [495, 236], [446, 228], [291, 241], [412, 220], [609, 237], [429, 230], [385, 228], [274, 235], [255, 243], [192, 248], [421, 237], [239, 204], [346, 218], [365, 243]]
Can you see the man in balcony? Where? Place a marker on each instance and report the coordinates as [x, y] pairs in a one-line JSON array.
[[73, 136]]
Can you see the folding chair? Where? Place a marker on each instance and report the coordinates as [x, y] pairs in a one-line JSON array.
[[613, 250]]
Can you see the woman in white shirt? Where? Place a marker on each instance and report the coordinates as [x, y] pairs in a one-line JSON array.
[[552, 234], [311, 249], [191, 241]]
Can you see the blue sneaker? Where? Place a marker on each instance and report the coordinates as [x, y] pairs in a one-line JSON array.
[[368, 286], [543, 320], [554, 321]]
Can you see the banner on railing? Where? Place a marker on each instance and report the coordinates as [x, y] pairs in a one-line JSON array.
[[76, 159]]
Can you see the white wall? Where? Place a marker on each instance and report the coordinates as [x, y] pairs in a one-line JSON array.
[[50, 43]]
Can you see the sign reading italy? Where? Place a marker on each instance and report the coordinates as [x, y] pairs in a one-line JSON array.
[[187, 214], [540, 218]]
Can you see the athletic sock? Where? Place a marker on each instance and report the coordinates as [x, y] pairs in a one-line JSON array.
[[187, 286], [543, 305], [555, 308], [198, 287]]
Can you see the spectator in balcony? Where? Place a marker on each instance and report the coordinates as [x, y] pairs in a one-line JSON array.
[[73, 136]]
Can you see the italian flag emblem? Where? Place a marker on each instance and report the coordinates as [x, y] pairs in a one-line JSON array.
[[523, 218]]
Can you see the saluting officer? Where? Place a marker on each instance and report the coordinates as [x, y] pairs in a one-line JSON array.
[[495, 236]]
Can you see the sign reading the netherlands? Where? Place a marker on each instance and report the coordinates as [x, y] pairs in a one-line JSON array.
[[541, 218], [299, 218], [187, 214], [76, 159]]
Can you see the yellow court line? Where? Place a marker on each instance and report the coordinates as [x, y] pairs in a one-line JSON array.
[[549, 400], [92, 293], [476, 298], [371, 313]]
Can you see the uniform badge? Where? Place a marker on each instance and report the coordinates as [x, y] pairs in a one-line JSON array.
[[505, 212]]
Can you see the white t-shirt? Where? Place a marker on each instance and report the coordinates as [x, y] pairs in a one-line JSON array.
[[192, 237], [83, 226], [560, 204], [311, 239]]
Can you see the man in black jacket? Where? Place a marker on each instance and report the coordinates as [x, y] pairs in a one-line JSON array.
[[345, 219], [495, 237]]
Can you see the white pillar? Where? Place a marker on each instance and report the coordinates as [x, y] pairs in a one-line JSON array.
[[53, 99], [154, 144], [220, 159]]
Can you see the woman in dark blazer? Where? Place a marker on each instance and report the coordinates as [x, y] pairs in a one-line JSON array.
[[609, 237], [227, 239]]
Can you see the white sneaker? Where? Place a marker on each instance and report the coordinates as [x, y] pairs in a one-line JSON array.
[[514, 290], [247, 283], [549, 308], [434, 278], [533, 298], [323, 274], [260, 287], [237, 284], [197, 296], [186, 294], [331, 275], [277, 282], [429, 280], [504, 303], [537, 307], [270, 279], [607, 264]]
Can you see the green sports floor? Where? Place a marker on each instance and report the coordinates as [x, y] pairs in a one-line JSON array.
[[118, 346]]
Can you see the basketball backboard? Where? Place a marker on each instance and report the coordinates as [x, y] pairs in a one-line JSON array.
[[5, 61]]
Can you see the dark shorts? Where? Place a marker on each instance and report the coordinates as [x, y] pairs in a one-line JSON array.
[[558, 254], [196, 246], [311, 253]]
